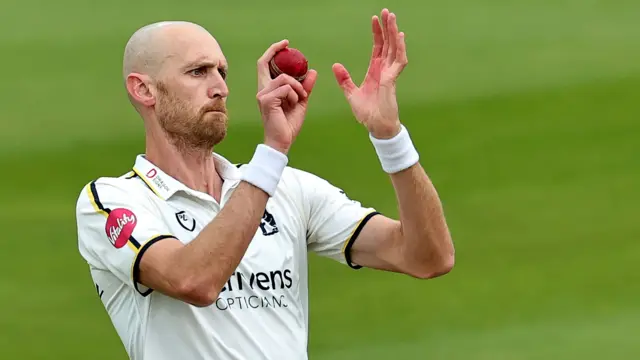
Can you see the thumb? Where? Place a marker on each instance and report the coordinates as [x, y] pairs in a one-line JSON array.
[[344, 79]]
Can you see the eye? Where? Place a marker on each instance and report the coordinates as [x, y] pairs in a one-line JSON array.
[[223, 72], [198, 71]]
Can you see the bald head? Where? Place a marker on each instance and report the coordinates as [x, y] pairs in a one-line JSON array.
[[152, 44], [175, 77]]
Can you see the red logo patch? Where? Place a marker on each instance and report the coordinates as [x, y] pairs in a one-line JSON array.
[[120, 225], [152, 173]]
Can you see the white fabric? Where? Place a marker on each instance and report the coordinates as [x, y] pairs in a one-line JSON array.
[[261, 313], [397, 153], [265, 169]]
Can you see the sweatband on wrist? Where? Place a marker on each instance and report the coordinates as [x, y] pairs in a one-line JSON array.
[[396, 154], [265, 168]]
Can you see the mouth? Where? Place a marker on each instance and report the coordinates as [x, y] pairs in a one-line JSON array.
[[215, 111]]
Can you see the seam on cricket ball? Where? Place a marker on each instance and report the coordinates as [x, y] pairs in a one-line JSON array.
[[273, 67], [276, 70]]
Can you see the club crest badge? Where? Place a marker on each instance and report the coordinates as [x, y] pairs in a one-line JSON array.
[[268, 224], [186, 221]]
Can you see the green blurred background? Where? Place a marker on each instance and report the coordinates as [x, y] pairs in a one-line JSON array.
[[525, 114]]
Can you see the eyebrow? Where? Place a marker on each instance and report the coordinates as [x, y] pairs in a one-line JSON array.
[[202, 62]]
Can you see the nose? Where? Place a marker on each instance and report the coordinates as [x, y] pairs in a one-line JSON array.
[[218, 88]]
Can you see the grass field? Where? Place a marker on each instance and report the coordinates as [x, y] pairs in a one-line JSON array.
[[525, 113]]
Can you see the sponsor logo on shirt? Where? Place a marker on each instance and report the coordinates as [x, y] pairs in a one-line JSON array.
[[267, 289], [157, 180], [119, 226]]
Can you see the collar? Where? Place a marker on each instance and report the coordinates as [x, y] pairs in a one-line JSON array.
[[165, 186]]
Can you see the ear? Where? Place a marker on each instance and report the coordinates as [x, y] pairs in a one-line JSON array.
[[140, 90]]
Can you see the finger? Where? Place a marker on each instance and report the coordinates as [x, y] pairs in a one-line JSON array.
[[377, 52], [284, 79], [289, 95], [344, 79], [282, 94], [264, 76], [401, 59], [385, 32], [378, 38], [392, 37], [309, 82]]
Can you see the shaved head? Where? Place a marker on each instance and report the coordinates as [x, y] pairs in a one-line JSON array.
[[150, 45], [175, 76]]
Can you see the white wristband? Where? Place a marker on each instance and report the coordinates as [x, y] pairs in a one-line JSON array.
[[396, 154], [265, 168]]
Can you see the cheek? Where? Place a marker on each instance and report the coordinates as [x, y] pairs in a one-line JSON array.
[[189, 95], [194, 92]]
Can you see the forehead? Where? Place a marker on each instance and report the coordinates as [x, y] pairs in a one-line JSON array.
[[188, 46]]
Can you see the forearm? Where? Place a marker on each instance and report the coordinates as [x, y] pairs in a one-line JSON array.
[[211, 258], [197, 272], [420, 243], [424, 238]]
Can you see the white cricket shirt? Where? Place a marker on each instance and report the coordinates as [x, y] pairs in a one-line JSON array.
[[262, 312]]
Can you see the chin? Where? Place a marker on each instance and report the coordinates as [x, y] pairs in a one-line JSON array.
[[212, 118], [214, 125]]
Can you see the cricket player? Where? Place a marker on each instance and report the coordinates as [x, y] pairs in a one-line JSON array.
[[196, 258]]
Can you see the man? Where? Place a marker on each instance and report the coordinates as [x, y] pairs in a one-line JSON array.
[[195, 258]]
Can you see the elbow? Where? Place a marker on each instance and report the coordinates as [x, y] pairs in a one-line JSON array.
[[433, 266], [436, 268], [197, 293]]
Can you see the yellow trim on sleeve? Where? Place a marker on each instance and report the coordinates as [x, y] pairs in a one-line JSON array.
[[136, 261], [94, 203], [135, 258], [346, 242], [133, 247]]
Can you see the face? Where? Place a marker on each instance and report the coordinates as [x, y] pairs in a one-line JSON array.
[[191, 91]]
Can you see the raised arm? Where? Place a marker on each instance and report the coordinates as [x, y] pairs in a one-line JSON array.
[[196, 272], [419, 243]]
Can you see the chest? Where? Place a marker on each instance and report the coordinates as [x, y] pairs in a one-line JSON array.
[[277, 242]]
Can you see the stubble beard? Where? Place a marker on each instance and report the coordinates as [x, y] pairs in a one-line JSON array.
[[189, 130]]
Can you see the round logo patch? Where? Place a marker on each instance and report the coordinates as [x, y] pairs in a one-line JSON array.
[[120, 225]]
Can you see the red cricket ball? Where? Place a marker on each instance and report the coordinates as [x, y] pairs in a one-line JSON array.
[[289, 61]]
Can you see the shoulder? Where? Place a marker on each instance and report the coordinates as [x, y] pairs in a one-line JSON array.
[[301, 177], [298, 179], [292, 177], [308, 183], [98, 194]]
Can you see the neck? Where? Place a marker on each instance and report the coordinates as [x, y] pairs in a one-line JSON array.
[[193, 167]]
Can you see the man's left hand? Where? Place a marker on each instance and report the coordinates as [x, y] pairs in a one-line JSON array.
[[374, 103]]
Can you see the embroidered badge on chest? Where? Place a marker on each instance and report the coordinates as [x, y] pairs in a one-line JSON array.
[[186, 221]]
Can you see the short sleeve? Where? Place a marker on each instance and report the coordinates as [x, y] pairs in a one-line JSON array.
[[335, 220], [115, 227]]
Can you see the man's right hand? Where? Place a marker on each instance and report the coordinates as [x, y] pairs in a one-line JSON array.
[[283, 101]]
